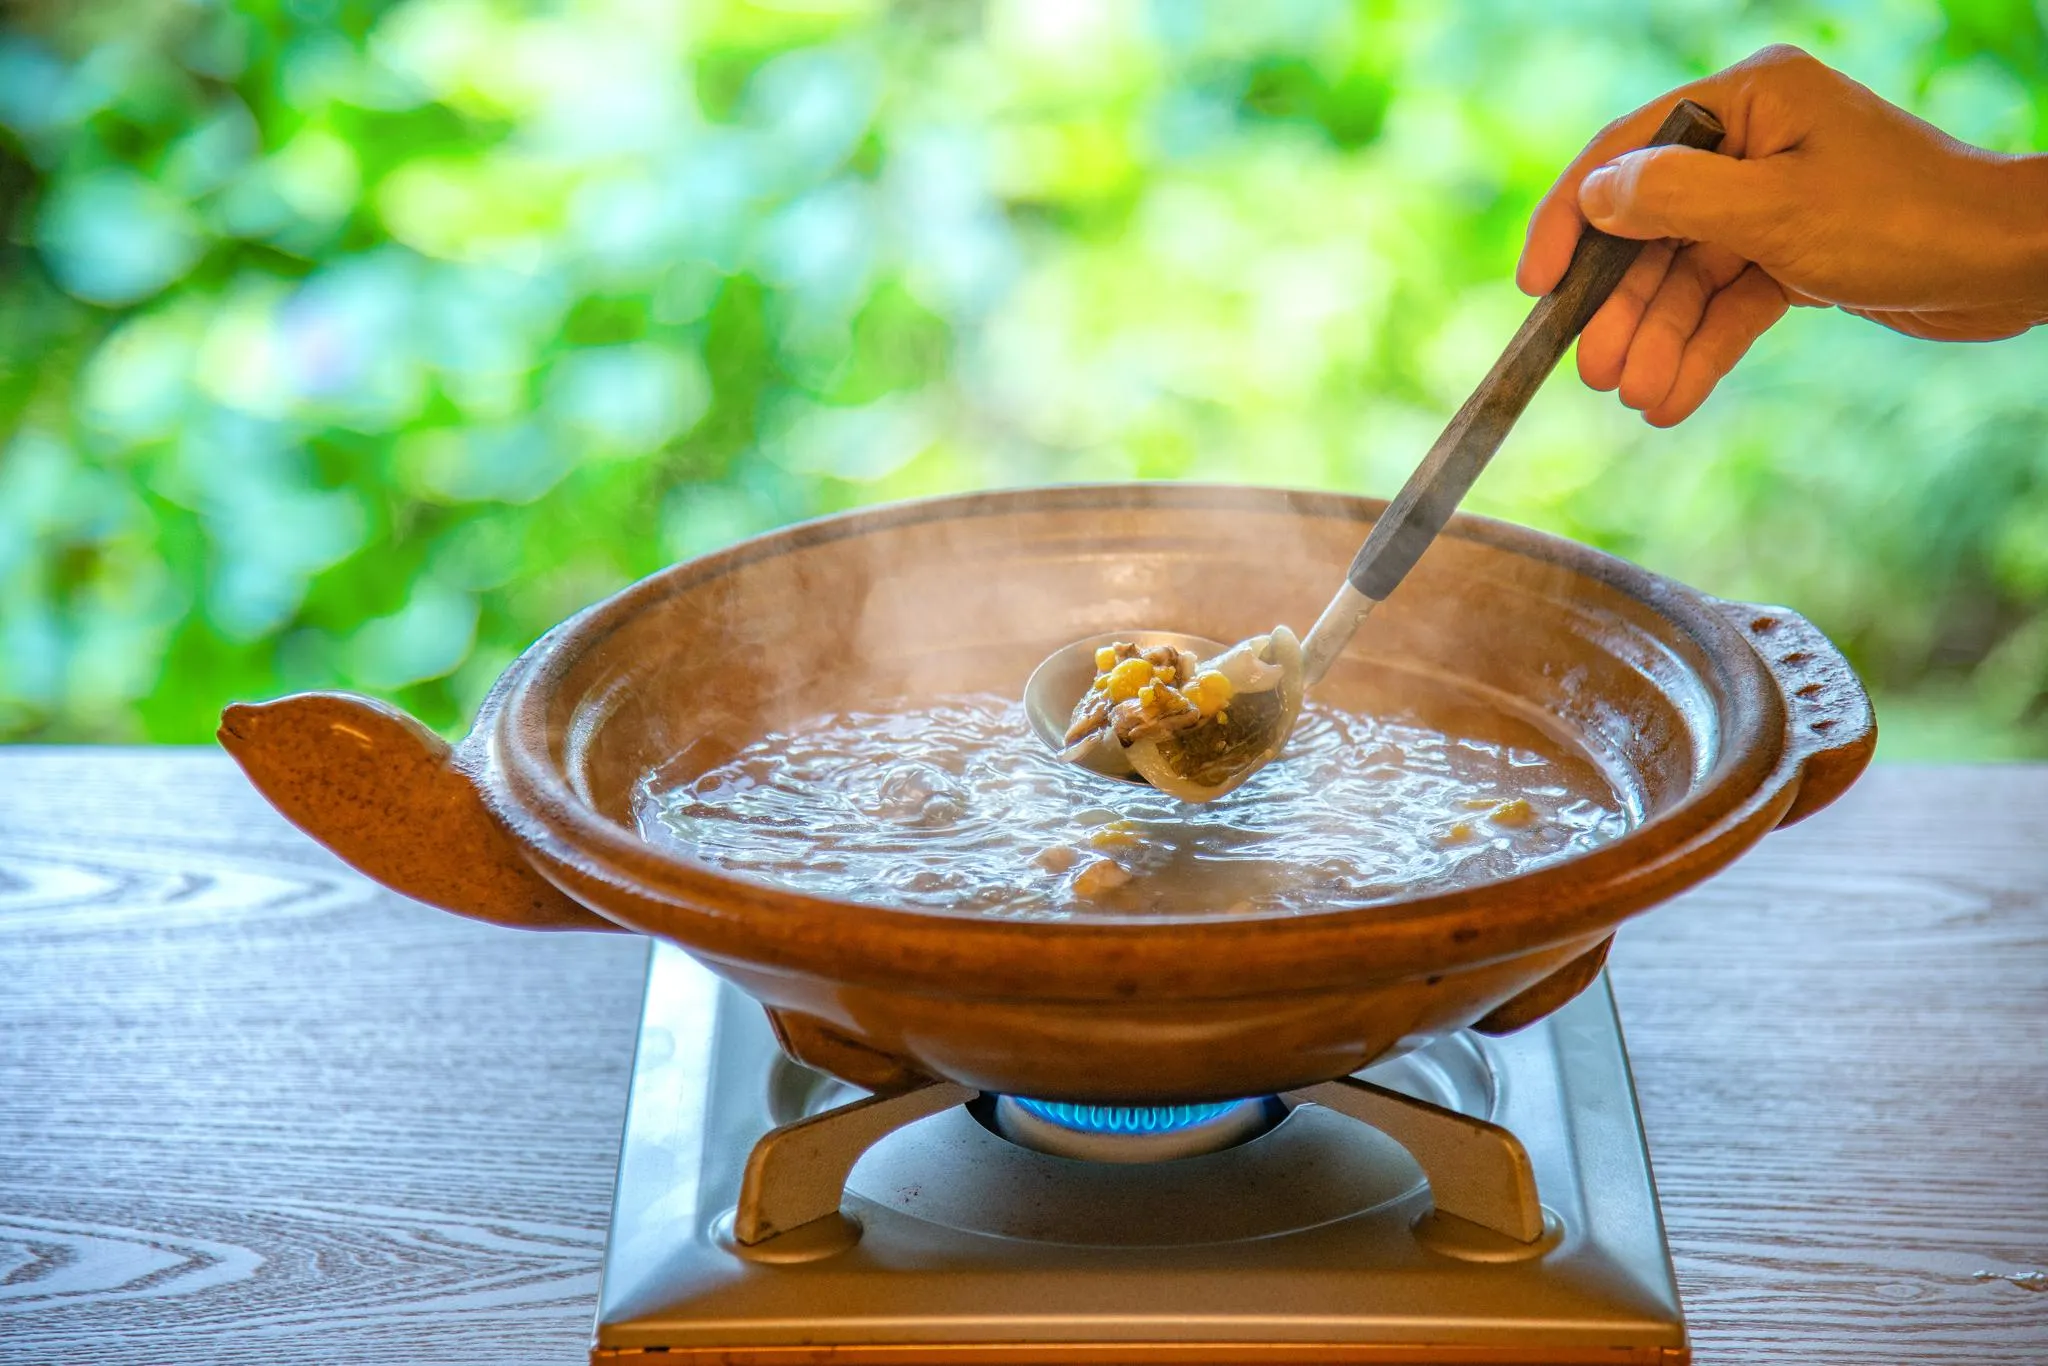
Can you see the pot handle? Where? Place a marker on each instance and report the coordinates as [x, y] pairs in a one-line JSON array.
[[1552, 993], [1830, 729], [1830, 733], [396, 803]]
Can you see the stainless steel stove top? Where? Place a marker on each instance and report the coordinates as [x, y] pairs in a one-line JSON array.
[[1319, 1239]]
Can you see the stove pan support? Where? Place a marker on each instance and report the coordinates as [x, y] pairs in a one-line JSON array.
[[796, 1175], [1477, 1172]]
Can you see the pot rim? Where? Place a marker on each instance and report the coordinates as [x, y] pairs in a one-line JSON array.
[[1746, 789]]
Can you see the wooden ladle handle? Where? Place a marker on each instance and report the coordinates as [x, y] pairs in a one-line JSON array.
[[1439, 483]]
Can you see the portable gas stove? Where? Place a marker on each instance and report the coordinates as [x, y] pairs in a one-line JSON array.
[[1475, 1200]]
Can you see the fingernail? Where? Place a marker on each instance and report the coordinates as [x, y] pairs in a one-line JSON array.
[[1596, 194]]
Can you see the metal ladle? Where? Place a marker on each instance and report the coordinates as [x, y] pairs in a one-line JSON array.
[[1424, 504]]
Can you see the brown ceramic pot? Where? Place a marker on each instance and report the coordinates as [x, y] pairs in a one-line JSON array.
[[1722, 720]]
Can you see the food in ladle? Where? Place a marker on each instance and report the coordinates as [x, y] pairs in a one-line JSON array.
[[1193, 729], [952, 805], [1147, 692]]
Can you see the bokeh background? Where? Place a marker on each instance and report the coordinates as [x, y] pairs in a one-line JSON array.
[[350, 344]]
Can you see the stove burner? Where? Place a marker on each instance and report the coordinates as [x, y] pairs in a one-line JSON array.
[[1125, 1119], [1131, 1133]]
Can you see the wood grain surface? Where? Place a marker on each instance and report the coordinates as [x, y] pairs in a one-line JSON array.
[[253, 1109]]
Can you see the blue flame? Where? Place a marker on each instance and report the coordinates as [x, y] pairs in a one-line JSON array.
[[1125, 1119]]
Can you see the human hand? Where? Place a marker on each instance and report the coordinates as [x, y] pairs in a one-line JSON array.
[[1821, 194]]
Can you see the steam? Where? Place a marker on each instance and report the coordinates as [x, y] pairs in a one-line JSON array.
[[911, 601]]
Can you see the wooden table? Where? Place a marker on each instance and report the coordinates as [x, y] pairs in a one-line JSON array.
[[253, 1109]]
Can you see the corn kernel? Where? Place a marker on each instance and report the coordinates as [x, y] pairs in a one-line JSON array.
[[1115, 835], [1514, 814], [1126, 678], [1101, 682], [1210, 691], [1457, 834], [1105, 659]]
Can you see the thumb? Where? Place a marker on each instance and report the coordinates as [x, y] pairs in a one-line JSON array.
[[1682, 192]]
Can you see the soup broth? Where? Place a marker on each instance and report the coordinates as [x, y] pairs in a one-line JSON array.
[[953, 805]]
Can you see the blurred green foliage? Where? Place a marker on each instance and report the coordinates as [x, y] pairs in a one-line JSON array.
[[346, 344]]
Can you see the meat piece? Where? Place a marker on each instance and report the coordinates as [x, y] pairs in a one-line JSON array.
[[1166, 660], [1056, 858], [1099, 877], [1092, 715], [1134, 720]]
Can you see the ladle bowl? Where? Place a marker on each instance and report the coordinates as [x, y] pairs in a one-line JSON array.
[[1715, 721]]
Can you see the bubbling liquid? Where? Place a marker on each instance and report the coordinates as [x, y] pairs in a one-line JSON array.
[[953, 805]]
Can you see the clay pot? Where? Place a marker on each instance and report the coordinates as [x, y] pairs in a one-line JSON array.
[[1722, 720]]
